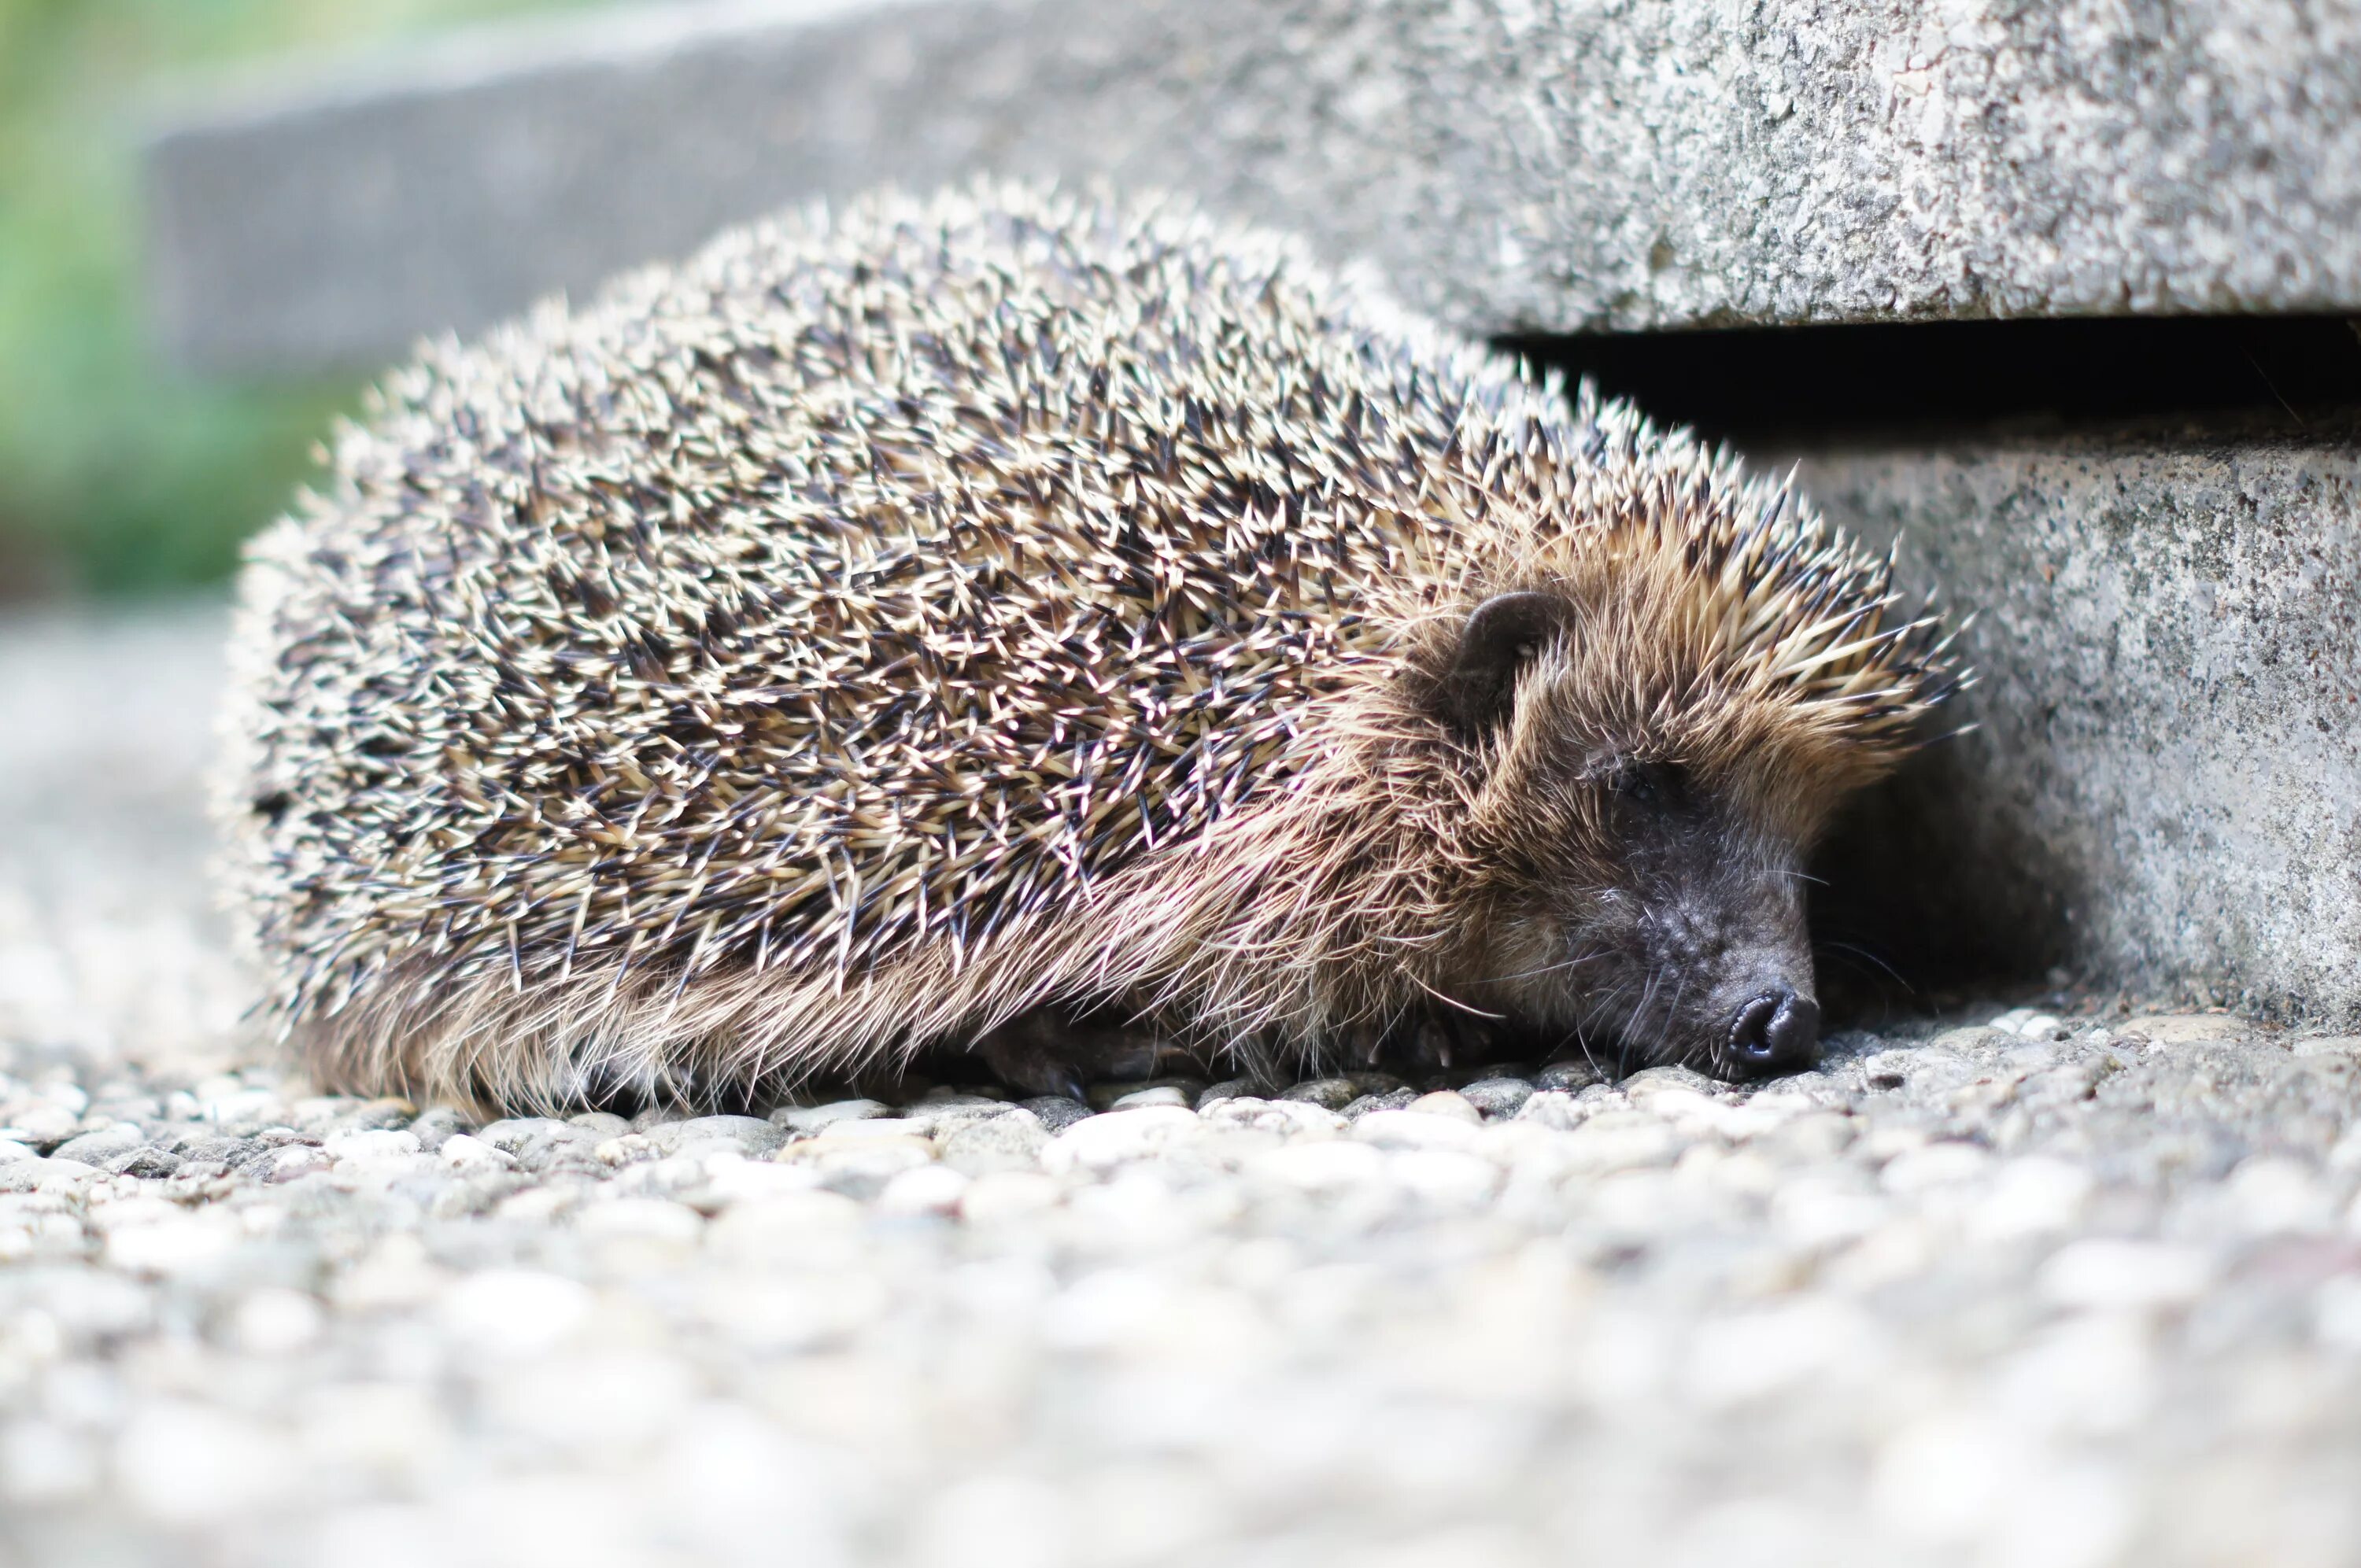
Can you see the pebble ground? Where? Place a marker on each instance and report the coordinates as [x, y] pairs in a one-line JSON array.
[[2021, 1287]]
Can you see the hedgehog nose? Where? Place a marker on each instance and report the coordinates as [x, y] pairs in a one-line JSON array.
[[1776, 1031]]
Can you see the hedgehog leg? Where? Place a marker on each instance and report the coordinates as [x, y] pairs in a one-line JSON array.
[[1051, 1052], [1435, 1047]]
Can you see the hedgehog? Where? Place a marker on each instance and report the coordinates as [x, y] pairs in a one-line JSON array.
[[1020, 623]]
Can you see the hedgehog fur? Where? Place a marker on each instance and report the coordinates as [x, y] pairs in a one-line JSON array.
[[893, 622]]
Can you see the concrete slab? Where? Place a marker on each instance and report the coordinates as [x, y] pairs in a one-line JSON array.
[[1521, 164], [2165, 788]]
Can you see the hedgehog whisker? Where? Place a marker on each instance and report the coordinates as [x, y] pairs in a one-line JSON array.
[[1864, 956], [1559, 966]]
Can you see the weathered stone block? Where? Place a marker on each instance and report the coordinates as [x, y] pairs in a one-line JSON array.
[[1522, 165], [2164, 788]]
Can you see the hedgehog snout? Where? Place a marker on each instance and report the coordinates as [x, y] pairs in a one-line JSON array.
[[1731, 953]]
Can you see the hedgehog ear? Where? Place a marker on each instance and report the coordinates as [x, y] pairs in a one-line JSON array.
[[1502, 634]]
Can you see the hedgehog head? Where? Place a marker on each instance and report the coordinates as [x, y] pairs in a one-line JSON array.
[[1656, 716]]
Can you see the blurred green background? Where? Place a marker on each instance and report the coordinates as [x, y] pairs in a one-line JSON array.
[[118, 473]]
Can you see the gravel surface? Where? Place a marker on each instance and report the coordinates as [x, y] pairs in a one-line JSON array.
[[2043, 1290]]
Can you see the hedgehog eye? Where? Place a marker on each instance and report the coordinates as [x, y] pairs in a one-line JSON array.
[[1655, 787]]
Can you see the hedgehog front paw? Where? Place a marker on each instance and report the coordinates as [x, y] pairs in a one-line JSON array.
[[1047, 1052]]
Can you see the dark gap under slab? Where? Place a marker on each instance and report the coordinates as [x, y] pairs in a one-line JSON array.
[[1915, 908], [1809, 386]]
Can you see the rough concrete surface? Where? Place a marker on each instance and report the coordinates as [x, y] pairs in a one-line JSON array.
[[2063, 1290], [1521, 165], [2164, 788]]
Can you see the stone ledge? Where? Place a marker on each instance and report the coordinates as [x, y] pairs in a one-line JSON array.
[[1512, 167], [2164, 789]]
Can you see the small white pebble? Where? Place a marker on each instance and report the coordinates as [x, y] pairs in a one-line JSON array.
[[1821, 1211], [43, 1123], [1551, 1108], [879, 1159], [812, 1118], [186, 1465], [2274, 1195], [294, 1161], [244, 1105], [1101, 1142], [1409, 1129], [1620, 1140], [1139, 1099], [187, 1240], [2337, 1313], [1445, 1176], [750, 1180], [1674, 1103], [371, 1147], [1525, 1145], [396, 1273], [42, 1462], [514, 1311], [537, 1205], [1759, 1350], [1287, 1116], [138, 1208], [780, 1225], [1938, 1164], [862, 1130], [744, 1134], [47, 1176], [1321, 1166], [1107, 1308], [1890, 1140], [2030, 1196], [627, 1149], [462, 1152], [1447, 1103], [641, 1219], [995, 1520], [1007, 1194], [1943, 1475], [763, 1310], [2162, 1030], [2106, 1272], [925, 1189], [275, 1322]]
